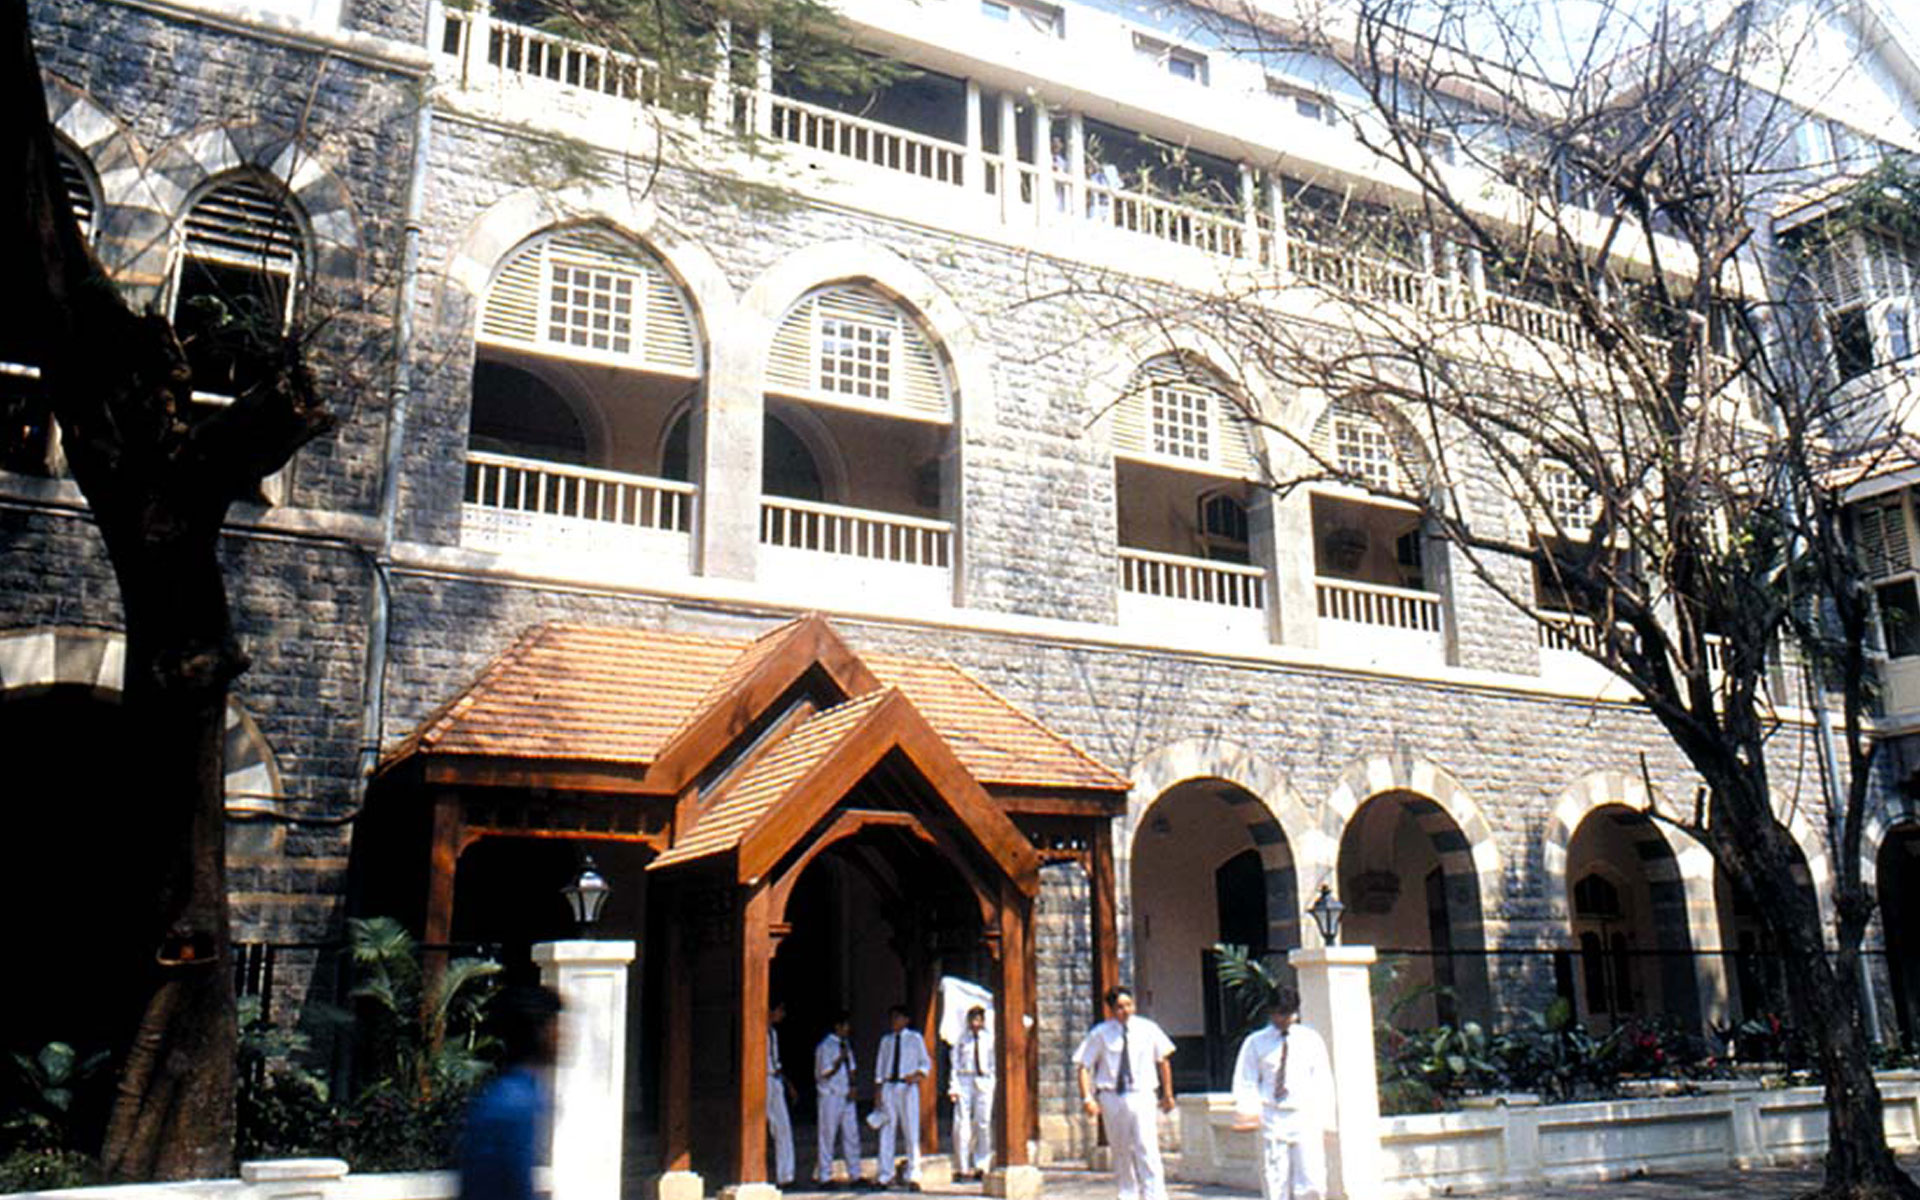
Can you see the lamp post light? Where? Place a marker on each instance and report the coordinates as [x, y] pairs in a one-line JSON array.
[[586, 896], [1326, 911]]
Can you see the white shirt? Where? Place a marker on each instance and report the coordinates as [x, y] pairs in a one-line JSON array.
[[1309, 1079], [961, 1058], [912, 1056], [1146, 1044], [773, 1052], [833, 1074]]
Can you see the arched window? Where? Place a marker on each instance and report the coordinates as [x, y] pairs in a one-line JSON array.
[[236, 275], [587, 294], [851, 346], [83, 191], [1178, 412]]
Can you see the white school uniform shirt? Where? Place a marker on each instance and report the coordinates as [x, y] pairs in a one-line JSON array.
[[960, 1058], [773, 1052], [1145, 1042], [832, 1074], [912, 1056], [1309, 1078]]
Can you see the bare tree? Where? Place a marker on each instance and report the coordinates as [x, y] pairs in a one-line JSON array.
[[1618, 399]]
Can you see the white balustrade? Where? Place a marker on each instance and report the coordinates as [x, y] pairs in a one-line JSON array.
[[1211, 230], [1570, 633], [1341, 270], [1529, 319], [855, 532], [519, 52], [1375, 604], [525, 485], [1200, 580], [871, 142]]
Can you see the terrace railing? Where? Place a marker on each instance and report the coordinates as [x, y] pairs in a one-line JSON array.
[[855, 532], [1376, 604], [1199, 580], [501, 483]]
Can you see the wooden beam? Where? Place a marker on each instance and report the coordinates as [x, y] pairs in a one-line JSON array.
[[1014, 1117], [617, 779], [1105, 915], [676, 1091], [756, 954]]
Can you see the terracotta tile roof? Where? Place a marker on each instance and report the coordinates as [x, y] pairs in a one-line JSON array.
[[594, 694], [770, 779]]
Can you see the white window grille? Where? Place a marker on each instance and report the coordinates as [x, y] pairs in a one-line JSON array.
[[1364, 452], [1175, 409], [586, 294], [1182, 421], [590, 308], [856, 357], [1571, 508], [851, 345]]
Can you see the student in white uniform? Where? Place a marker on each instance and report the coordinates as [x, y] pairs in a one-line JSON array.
[[779, 1091], [833, 1067], [970, 1086], [1283, 1086], [1120, 1063], [898, 1067]]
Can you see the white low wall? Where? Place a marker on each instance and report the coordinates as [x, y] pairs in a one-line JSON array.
[[281, 1179], [1515, 1142]]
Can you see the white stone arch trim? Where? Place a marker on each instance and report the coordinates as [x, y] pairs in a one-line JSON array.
[[1376, 774], [1882, 820], [320, 202], [1306, 845], [1686, 863], [131, 225], [788, 281], [529, 212], [48, 656]]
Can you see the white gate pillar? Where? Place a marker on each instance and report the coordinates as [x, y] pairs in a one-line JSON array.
[[589, 1079], [1335, 1000]]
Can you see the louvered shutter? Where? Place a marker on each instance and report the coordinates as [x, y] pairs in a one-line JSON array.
[[1881, 533], [1347, 435], [1173, 412], [79, 191], [588, 295], [852, 346], [241, 223]]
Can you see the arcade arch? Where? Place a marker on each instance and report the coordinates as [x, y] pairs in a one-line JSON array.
[[1628, 918]]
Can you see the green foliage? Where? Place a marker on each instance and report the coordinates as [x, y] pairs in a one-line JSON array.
[[1885, 200], [1248, 981], [41, 1094], [420, 1057], [46, 1170]]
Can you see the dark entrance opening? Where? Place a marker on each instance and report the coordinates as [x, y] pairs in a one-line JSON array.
[[1900, 923], [875, 920]]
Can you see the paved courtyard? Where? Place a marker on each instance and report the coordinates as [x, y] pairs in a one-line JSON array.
[[1779, 1183]]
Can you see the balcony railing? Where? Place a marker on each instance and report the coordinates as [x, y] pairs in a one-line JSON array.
[[1571, 633], [1534, 320], [1377, 604], [855, 532], [524, 485], [1200, 580], [888, 147], [521, 51], [1211, 230], [1342, 270]]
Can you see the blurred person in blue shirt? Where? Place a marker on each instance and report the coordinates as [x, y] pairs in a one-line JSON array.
[[508, 1122]]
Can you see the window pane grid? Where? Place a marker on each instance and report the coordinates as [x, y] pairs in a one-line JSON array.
[[856, 358], [1181, 425], [1568, 502], [591, 309], [1364, 452]]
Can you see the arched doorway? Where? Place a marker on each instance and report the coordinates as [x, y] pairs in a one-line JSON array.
[[1628, 913], [1898, 881], [1409, 883], [872, 921], [1209, 865], [1756, 974]]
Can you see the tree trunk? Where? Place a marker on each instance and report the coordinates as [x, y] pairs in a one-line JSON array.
[[1823, 1001], [173, 1111]]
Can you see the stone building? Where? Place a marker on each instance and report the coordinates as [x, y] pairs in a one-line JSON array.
[[635, 407]]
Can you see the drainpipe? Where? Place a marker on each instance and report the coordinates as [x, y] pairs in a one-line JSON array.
[[400, 399]]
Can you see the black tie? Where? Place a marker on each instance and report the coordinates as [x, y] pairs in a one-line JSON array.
[[1280, 1072], [893, 1056], [976, 1054], [842, 1064], [1123, 1082]]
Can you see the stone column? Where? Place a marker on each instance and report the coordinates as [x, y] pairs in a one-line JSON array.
[[1334, 1000], [589, 1080]]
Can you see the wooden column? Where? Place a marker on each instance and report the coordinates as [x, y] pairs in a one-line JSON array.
[[676, 1091], [750, 1163], [1105, 914], [443, 866], [926, 1006], [1014, 1117]]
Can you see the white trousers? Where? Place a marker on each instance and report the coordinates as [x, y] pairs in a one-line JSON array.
[[779, 1130], [901, 1103], [1293, 1162], [973, 1122], [1133, 1134], [839, 1121]]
